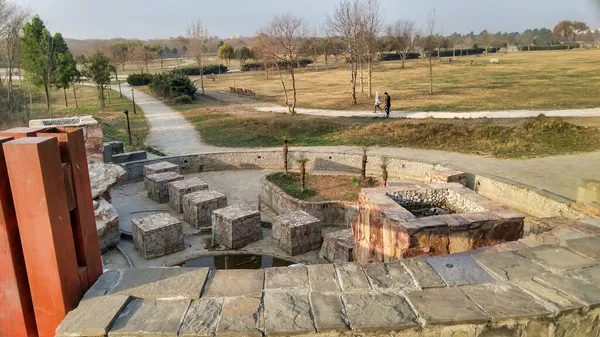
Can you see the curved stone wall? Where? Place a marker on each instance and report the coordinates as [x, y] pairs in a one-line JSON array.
[[523, 198], [331, 213]]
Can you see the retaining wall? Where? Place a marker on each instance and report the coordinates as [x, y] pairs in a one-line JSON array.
[[523, 198]]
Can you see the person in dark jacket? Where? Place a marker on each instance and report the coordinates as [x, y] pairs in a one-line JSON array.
[[388, 104]]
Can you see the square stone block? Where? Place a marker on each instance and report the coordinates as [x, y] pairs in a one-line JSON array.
[[161, 283], [446, 306], [158, 185], [378, 312], [556, 257], [161, 167], [446, 176], [459, 270], [198, 207], [237, 226], [157, 235], [338, 246], [179, 188], [150, 318], [297, 233]]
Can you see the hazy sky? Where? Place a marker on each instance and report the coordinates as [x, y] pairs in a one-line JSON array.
[[144, 19]]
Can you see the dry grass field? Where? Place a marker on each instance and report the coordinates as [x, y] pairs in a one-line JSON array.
[[522, 80]]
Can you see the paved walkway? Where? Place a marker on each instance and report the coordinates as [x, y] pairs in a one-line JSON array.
[[173, 135], [444, 115]]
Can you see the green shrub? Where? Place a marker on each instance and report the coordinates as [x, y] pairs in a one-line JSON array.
[[195, 71], [136, 80], [283, 64], [556, 47], [171, 86], [465, 52], [183, 99]]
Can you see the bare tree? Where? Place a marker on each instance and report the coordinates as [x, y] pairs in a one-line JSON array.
[[345, 24], [12, 19], [371, 26], [403, 35], [430, 45], [282, 41], [198, 39]]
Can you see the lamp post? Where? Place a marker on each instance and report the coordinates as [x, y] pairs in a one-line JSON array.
[[126, 112], [133, 98]]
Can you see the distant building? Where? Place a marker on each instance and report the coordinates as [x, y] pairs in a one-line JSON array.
[[235, 37], [512, 47]]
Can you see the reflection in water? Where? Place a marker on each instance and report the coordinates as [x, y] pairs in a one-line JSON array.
[[237, 262]]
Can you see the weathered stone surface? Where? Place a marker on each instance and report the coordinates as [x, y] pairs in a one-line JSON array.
[[588, 191], [576, 324], [549, 295], [157, 235], [237, 226], [559, 236], [160, 167], [508, 265], [323, 278], [177, 189], [103, 285], [229, 283], [585, 293], [287, 314], [93, 316], [378, 312], [158, 185], [202, 318], [446, 305], [459, 270], [587, 226], [556, 257], [446, 176], [328, 312], [503, 301], [198, 207], [150, 318], [352, 277], [389, 277], [240, 317], [162, 283], [107, 224], [103, 177], [297, 233], [423, 274], [591, 275], [589, 247], [286, 278], [338, 246]]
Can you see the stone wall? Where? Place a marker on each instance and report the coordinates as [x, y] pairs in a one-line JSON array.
[[523, 198], [331, 213]]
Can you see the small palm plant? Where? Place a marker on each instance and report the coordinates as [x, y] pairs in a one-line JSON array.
[[302, 162], [285, 140], [363, 172], [384, 172]]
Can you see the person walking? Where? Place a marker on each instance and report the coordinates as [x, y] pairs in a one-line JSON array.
[[377, 102], [388, 104]]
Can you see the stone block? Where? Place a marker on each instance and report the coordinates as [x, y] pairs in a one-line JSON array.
[[202, 318], [589, 247], [103, 177], [504, 301], [328, 312], [160, 167], [446, 176], [508, 266], [198, 207], [542, 225], [150, 318], [297, 233], [378, 312], [286, 278], [129, 157], [287, 314], [107, 225], [158, 185], [237, 226], [241, 316], [389, 277], [103, 285], [549, 295], [446, 306], [112, 148], [322, 278], [179, 188], [93, 317], [231, 283], [555, 257], [157, 235], [588, 294], [338, 246], [162, 283], [459, 270], [352, 277], [423, 274], [591, 275], [588, 191]]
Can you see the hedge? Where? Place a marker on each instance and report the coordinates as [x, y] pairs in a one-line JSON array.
[[195, 71], [398, 56], [136, 80], [172, 87], [469, 51], [283, 64], [555, 47]]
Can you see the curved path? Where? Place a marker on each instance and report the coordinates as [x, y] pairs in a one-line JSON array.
[[173, 135], [443, 115]]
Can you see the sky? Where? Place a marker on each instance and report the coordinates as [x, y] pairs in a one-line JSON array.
[[149, 19]]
